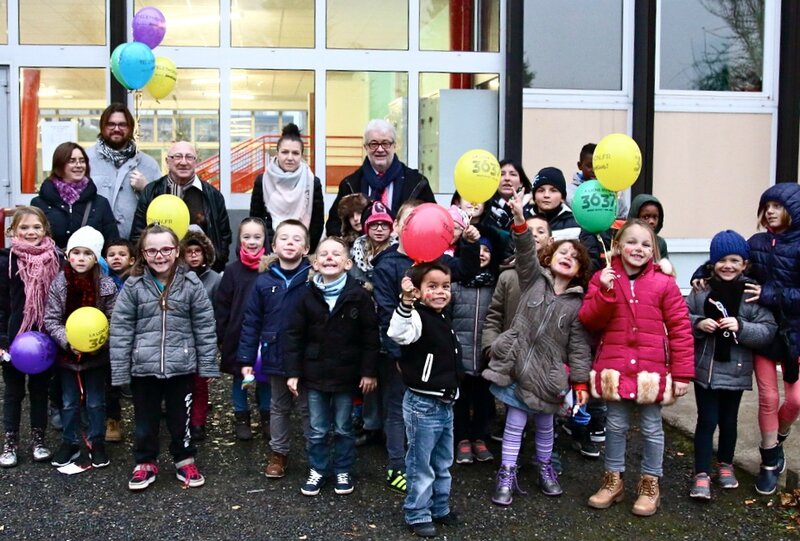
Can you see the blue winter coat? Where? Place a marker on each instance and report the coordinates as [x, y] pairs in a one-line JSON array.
[[272, 301], [775, 264]]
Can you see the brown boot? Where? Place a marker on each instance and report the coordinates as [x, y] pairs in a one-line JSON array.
[[649, 496], [612, 491], [113, 431], [277, 465]]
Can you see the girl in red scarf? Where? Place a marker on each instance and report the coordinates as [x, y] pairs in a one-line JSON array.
[[229, 304], [26, 271]]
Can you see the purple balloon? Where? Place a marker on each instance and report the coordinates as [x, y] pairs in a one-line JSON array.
[[32, 352], [261, 377], [149, 26]]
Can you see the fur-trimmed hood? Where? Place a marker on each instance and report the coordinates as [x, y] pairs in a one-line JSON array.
[[198, 238]]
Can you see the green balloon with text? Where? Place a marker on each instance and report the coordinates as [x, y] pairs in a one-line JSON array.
[[594, 207]]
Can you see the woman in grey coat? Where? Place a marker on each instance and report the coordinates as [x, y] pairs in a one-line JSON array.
[[162, 333]]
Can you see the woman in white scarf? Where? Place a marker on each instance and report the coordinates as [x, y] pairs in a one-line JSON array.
[[288, 189]]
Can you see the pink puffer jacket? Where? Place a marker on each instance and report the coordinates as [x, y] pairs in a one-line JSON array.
[[645, 335]]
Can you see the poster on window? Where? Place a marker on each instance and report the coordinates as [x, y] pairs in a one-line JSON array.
[[53, 134]]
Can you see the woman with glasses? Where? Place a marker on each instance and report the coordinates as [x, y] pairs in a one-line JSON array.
[[69, 198], [288, 189]]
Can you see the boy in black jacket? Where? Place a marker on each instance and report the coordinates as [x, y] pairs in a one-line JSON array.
[[332, 344], [430, 364]]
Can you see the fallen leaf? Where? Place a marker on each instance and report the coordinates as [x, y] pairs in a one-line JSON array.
[[749, 502], [373, 526], [680, 454], [303, 537], [235, 507]]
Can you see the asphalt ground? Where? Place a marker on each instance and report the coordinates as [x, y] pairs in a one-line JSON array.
[[239, 503]]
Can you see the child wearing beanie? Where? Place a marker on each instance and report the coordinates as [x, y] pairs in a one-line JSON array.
[[83, 375], [727, 329]]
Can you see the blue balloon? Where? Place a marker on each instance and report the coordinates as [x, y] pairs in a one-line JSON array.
[[136, 64]]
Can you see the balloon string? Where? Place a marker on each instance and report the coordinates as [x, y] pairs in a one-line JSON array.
[[605, 251], [137, 103]]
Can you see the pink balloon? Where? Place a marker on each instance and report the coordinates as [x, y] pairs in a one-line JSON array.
[[149, 26], [427, 233]]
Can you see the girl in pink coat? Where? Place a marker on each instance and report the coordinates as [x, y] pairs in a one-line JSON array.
[[645, 357]]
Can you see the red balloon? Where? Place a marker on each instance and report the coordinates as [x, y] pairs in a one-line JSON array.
[[427, 232]]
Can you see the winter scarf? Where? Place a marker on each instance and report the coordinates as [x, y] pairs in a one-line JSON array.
[[288, 194], [730, 295], [115, 156], [485, 278], [378, 183], [332, 290], [81, 291], [251, 261], [37, 265], [70, 191]]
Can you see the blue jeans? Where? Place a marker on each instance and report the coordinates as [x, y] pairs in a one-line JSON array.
[[239, 396], [94, 390], [326, 409], [429, 428], [618, 420]]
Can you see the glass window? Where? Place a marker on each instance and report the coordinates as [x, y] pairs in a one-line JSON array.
[[367, 24], [445, 132], [194, 23], [3, 22], [573, 45], [712, 45], [463, 25], [45, 123], [67, 22], [189, 113], [263, 102], [353, 99], [272, 23]]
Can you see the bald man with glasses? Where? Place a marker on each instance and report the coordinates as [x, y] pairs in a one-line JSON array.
[[382, 177]]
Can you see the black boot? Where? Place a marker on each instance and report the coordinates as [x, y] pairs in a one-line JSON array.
[[767, 480], [243, 430], [582, 442]]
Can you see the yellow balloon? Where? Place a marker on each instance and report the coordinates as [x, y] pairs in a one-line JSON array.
[[617, 162], [169, 211], [164, 78], [477, 175], [87, 329]]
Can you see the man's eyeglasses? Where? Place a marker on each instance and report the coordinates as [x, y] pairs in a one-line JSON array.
[[117, 125], [385, 145], [180, 157], [166, 251]]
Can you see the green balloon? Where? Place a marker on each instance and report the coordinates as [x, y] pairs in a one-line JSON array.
[[594, 207], [115, 69]]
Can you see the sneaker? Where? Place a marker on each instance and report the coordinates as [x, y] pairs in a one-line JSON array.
[[481, 452], [67, 454], [144, 475], [464, 452], [99, 456], [344, 484], [701, 487], [39, 449], [113, 431], [582, 442], [9, 457], [726, 477], [598, 436], [313, 483], [423, 529], [548, 481], [396, 479], [187, 473], [450, 519]]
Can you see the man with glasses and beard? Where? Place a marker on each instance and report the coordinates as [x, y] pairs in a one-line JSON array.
[[206, 204], [119, 170], [382, 177]]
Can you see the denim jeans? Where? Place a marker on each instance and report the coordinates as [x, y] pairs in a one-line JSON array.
[[326, 409], [618, 420], [390, 383], [429, 428], [239, 396], [93, 381]]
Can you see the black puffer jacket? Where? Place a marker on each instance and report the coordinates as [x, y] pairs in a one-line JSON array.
[[217, 227], [412, 185], [469, 308], [66, 219], [331, 350]]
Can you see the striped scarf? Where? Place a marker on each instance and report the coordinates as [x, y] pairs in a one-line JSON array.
[[332, 290]]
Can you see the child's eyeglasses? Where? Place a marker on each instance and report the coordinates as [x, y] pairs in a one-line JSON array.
[[166, 251]]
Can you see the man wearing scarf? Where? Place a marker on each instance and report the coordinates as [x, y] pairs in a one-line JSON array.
[[382, 177], [119, 169], [206, 204]]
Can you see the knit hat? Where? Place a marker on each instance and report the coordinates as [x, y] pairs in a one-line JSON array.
[[552, 176], [87, 237], [376, 213], [726, 243], [458, 216], [486, 242]]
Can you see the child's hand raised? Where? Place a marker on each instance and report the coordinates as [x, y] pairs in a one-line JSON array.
[[471, 234], [607, 277], [516, 204], [407, 286]]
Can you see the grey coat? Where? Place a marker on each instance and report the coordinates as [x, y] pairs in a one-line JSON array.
[[757, 328], [469, 305], [55, 319], [115, 184], [545, 336], [147, 340]]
